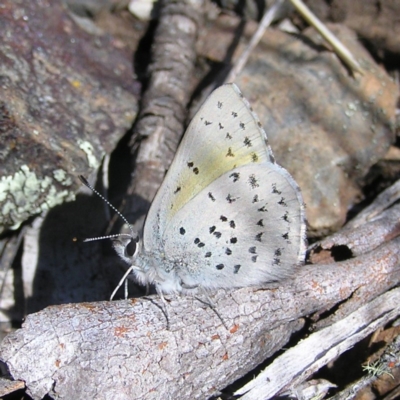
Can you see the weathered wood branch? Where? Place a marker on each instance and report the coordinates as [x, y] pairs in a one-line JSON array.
[[299, 363], [163, 106], [102, 350]]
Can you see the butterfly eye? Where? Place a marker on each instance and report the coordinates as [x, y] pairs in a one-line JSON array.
[[132, 247]]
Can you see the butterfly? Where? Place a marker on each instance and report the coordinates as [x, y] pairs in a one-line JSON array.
[[226, 215]]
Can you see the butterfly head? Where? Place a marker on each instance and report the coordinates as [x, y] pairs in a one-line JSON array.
[[130, 248], [127, 246]]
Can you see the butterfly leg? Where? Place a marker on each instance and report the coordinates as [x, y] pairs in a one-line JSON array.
[[126, 289], [121, 282], [208, 301], [147, 289], [165, 308]]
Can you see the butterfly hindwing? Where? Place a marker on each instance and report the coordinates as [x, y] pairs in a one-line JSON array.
[[244, 228]]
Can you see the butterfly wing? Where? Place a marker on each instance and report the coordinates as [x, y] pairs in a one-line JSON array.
[[223, 135], [244, 228]]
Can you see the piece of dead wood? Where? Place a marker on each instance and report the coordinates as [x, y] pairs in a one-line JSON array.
[[359, 240], [382, 202], [374, 226], [122, 349], [7, 386], [163, 106], [299, 363]]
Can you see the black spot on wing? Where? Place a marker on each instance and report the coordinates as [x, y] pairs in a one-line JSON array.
[[285, 217], [282, 202], [230, 153], [194, 169], [275, 189], [253, 181], [235, 176], [263, 208], [258, 236], [230, 199], [254, 157]]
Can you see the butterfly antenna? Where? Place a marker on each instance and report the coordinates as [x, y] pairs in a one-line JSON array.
[[87, 184]]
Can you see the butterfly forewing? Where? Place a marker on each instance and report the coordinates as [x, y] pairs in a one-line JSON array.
[[224, 134]]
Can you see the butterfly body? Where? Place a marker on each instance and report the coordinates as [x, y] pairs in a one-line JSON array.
[[226, 214]]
